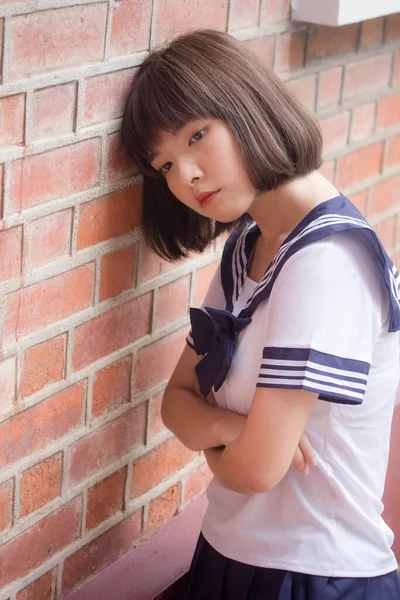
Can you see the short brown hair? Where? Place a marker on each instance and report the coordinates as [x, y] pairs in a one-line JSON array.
[[205, 74]]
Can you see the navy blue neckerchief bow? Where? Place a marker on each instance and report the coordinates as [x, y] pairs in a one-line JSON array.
[[215, 331]]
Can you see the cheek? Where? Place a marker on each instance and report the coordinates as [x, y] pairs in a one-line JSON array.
[[230, 161], [173, 185], [181, 194]]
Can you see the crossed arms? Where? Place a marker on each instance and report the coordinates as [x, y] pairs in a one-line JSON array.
[[247, 454]]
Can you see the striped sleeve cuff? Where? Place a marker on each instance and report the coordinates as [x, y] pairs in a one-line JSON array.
[[336, 379]]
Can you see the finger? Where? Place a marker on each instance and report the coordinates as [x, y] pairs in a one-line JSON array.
[[307, 451], [299, 462]]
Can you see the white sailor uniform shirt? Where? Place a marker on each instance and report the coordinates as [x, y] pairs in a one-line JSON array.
[[325, 317]]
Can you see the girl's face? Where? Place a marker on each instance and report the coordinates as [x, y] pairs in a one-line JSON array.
[[204, 169]]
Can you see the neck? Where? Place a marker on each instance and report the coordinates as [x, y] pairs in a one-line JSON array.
[[279, 211]]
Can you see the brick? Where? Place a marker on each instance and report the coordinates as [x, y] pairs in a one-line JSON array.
[[40, 589], [328, 170], [1, 184], [243, 14], [1, 44], [156, 361], [359, 165], [12, 113], [362, 123], [387, 233], [119, 164], [47, 239], [41, 424], [105, 499], [53, 110], [304, 89], [173, 17], [42, 177], [8, 376], [335, 131], [43, 364], [109, 217], [371, 32], [152, 265], [40, 484], [105, 95], [49, 536], [156, 423], [55, 39], [41, 304], [162, 509], [111, 387], [367, 75], [111, 331], [329, 88], [264, 48], [274, 10], [159, 464], [392, 158], [195, 483], [136, 36], [173, 300], [331, 41], [388, 112], [6, 504], [396, 72], [396, 260], [360, 201], [101, 552], [393, 28], [10, 253], [117, 272], [107, 444], [384, 195], [203, 278], [291, 50]]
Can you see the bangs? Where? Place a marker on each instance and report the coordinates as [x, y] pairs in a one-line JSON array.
[[162, 99]]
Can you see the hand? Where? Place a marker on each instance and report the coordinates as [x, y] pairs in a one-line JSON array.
[[231, 427], [212, 456], [210, 399], [230, 424], [304, 456]]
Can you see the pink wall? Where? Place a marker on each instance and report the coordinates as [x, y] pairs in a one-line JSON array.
[[392, 492]]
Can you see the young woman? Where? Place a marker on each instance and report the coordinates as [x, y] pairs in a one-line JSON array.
[[299, 331]]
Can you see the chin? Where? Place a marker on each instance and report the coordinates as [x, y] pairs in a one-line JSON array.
[[229, 217]]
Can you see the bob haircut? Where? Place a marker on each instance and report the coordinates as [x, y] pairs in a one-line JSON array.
[[206, 74]]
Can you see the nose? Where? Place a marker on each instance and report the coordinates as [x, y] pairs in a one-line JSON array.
[[189, 173]]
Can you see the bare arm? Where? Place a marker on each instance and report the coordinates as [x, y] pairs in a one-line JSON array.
[[200, 424], [196, 423], [262, 454]]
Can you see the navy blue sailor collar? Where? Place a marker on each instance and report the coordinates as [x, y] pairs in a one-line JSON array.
[[214, 332]]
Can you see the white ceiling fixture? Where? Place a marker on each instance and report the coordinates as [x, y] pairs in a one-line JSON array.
[[342, 12]]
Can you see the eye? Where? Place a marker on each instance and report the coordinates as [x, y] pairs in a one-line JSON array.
[[165, 168], [198, 135]]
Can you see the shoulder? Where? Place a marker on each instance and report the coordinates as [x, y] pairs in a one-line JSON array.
[[335, 265], [340, 254]]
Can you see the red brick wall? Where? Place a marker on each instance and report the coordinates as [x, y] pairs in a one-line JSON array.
[[87, 469]]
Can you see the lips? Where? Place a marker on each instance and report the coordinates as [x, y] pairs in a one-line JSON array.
[[206, 197]]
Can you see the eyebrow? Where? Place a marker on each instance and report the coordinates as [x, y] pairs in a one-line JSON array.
[[151, 157]]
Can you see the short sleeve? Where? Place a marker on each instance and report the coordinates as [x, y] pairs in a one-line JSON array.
[[214, 298], [324, 315]]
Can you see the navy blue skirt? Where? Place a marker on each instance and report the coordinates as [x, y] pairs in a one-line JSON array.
[[212, 576]]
